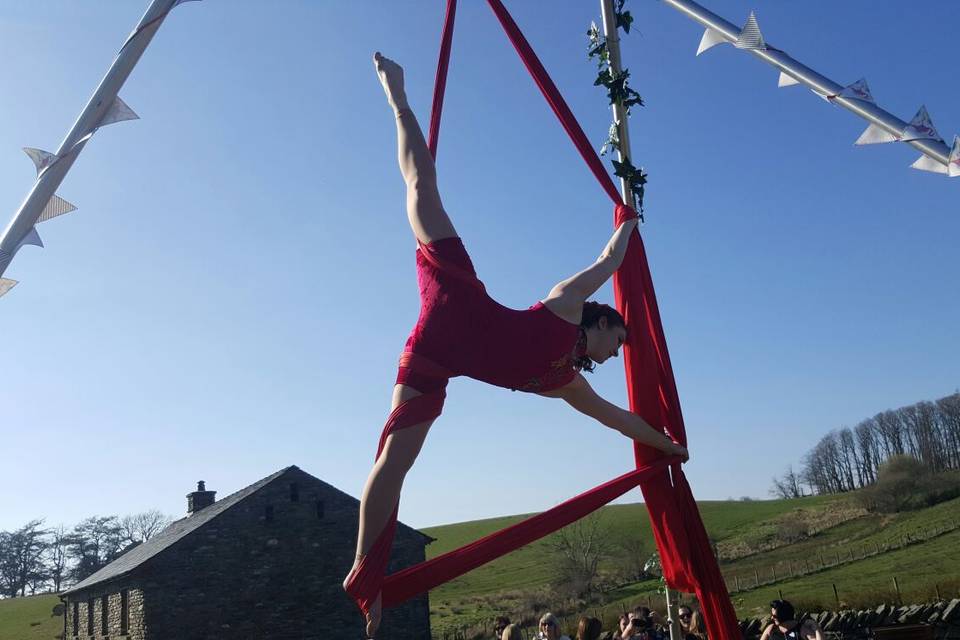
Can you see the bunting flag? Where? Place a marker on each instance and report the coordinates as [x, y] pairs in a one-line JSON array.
[[921, 128]]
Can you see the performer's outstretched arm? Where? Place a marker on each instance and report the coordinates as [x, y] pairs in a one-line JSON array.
[[567, 297], [581, 396]]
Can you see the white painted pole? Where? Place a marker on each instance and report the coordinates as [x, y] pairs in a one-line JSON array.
[[619, 112]]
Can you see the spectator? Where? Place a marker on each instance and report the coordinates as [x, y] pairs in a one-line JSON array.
[[589, 629], [624, 625], [696, 630], [783, 625], [550, 628], [499, 624], [641, 626], [684, 613], [511, 632]]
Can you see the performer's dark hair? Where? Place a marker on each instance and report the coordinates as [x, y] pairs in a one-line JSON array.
[[783, 609], [592, 312]]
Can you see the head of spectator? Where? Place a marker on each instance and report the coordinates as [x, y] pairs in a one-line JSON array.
[[511, 632], [499, 624], [639, 625], [550, 628], [781, 612], [624, 623], [589, 629], [697, 629], [684, 613]]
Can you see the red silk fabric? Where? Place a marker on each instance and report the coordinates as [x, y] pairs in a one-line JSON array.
[[686, 556], [685, 552]]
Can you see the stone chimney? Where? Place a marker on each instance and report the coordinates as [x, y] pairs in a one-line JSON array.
[[200, 498]]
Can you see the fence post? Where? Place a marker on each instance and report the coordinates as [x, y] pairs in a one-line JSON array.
[[822, 563], [779, 594], [756, 575], [936, 588], [838, 557], [836, 595], [896, 587], [774, 570], [737, 580]]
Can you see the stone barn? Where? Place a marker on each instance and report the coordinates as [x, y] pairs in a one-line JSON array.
[[266, 562]]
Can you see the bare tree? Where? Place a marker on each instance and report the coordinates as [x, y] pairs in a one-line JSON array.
[[787, 486], [21, 559], [140, 527], [580, 547], [94, 543], [869, 455], [949, 408], [57, 556]]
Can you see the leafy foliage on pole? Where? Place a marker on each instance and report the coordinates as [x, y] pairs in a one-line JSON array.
[[620, 93]]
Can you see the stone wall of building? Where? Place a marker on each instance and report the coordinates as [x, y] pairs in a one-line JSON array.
[[272, 567], [81, 604]]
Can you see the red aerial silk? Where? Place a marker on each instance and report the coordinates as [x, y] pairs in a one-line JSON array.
[[685, 552]]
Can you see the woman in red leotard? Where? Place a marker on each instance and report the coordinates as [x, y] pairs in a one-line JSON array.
[[463, 331]]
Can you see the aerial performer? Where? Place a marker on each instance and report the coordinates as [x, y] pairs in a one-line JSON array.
[[462, 331]]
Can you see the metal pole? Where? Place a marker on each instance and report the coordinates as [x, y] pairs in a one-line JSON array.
[[882, 121], [619, 112], [104, 107]]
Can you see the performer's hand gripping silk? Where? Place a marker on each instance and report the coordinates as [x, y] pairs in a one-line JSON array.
[[463, 331]]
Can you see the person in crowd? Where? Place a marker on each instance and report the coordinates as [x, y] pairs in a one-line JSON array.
[[589, 629], [684, 614], [511, 632], [499, 624], [696, 630], [784, 625], [550, 628], [642, 625], [624, 625]]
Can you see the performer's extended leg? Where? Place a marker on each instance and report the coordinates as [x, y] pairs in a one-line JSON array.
[[382, 490], [425, 210]]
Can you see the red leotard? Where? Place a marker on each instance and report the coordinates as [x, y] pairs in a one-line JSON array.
[[463, 331]]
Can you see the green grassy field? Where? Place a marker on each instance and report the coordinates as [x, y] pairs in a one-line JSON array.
[[848, 534], [30, 618]]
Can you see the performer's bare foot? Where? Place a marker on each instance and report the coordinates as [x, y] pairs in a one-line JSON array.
[[391, 77], [376, 609]]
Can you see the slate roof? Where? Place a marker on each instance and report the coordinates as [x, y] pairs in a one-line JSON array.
[[180, 529]]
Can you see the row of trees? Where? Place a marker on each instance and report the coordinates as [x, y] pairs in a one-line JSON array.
[[847, 459], [36, 559]]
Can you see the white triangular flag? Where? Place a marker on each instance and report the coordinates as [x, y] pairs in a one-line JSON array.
[[920, 128], [857, 91], [56, 207], [926, 163], [953, 163], [786, 80], [750, 36], [41, 159], [875, 134], [118, 112], [32, 237], [6, 284], [711, 38]]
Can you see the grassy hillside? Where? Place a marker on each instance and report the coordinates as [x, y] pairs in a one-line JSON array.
[[30, 618], [753, 539]]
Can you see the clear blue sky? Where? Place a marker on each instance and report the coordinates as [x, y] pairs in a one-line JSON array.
[[233, 292]]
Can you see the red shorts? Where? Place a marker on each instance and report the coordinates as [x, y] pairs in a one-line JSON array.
[[451, 298]]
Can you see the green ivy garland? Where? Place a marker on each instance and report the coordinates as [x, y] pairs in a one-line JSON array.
[[618, 92]]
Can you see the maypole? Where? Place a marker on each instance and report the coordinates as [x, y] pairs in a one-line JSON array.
[[620, 135], [883, 126], [104, 107]]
